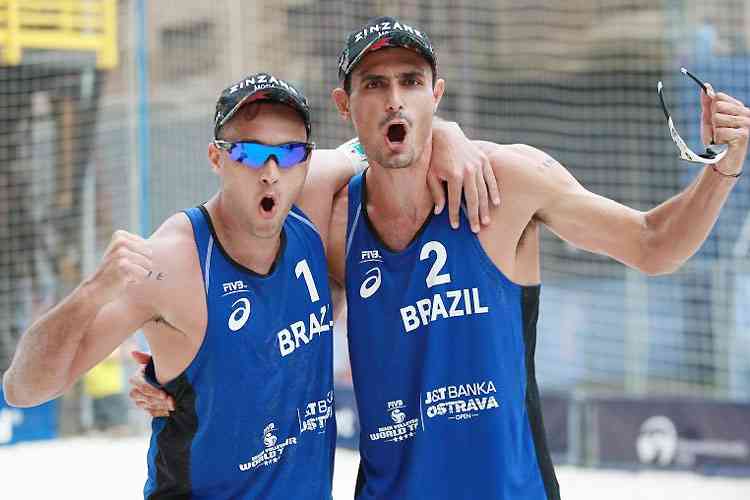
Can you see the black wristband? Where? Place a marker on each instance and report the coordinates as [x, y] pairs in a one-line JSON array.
[[713, 167]]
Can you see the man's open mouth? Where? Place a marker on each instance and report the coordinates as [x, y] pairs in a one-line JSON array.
[[267, 203], [396, 133]]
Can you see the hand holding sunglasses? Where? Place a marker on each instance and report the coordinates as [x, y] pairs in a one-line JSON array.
[[256, 154], [724, 119]]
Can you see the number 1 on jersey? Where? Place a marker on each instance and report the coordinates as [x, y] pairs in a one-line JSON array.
[[302, 268]]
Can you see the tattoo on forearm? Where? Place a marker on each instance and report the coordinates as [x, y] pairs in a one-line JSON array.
[[157, 276]]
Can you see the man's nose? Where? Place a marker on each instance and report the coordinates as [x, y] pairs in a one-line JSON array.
[[395, 99], [270, 172]]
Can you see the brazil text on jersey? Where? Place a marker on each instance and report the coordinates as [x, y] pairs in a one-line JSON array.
[[296, 334], [462, 302]]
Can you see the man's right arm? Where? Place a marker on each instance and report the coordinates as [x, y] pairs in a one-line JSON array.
[[81, 330]]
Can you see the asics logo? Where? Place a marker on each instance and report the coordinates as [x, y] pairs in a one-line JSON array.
[[371, 284], [239, 316]]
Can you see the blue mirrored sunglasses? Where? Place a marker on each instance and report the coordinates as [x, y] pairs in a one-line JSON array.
[[255, 154]]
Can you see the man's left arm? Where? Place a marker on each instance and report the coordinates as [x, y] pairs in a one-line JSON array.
[[657, 241]]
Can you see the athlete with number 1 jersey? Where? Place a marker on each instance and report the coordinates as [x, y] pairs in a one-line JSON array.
[[442, 323]]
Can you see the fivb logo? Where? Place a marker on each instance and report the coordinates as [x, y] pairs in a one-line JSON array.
[[385, 27], [232, 287], [370, 256]]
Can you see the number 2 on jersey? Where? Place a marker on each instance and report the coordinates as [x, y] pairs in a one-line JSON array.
[[441, 256], [303, 269]]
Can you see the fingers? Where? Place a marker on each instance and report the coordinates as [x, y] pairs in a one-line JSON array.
[[707, 130], [127, 259], [471, 193], [148, 401], [731, 135], [437, 191], [154, 411], [140, 357], [484, 202], [729, 121], [147, 396], [454, 199], [489, 179], [722, 97]]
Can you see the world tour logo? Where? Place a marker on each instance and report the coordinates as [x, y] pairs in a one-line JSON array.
[[400, 429], [273, 449]]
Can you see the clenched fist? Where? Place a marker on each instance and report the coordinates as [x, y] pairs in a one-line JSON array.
[[126, 261], [725, 120]]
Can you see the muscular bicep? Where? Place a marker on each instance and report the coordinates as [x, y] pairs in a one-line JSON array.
[[585, 219]]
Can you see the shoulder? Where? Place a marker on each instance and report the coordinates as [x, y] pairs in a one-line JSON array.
[[175, 256], [526, 167], [512, 155], [175, 234]]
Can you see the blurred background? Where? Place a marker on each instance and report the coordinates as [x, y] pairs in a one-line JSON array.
[[105, 115]]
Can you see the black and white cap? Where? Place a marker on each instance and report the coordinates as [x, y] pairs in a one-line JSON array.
[[257, 87], [380, 33]]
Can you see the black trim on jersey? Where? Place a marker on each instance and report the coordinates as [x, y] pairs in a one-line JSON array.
[[372, 226], [282, 247], [530, 314], [174, 442]]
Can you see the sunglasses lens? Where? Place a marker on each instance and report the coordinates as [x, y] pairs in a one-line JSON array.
[[256, 155], [289, 155]]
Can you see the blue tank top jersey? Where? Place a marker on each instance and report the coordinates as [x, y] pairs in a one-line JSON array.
[[441, 346], [254, 409]]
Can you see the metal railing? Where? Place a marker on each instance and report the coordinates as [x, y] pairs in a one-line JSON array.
[[65, 25]]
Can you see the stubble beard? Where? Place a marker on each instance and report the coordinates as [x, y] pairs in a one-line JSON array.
[[398, 161]]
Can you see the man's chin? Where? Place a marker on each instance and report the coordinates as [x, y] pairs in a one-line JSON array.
[[268, 229], [398, 160]]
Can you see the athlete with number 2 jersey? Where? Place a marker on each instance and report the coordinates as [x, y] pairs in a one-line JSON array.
[[442, 323]]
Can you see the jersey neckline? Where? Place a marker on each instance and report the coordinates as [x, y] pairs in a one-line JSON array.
[[374, 231], [274, 265]]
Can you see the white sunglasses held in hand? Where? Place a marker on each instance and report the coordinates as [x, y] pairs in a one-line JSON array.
[[711, 155]]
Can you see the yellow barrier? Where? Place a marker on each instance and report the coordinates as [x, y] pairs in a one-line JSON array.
[[67, 25]]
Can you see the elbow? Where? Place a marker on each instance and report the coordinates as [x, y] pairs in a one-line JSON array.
[[11, 394], [17, 397], [656, 254], [660, 269], [656, 263]]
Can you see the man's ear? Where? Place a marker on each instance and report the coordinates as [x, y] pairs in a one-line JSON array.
[[341, 100], [214, 157], [437, 93]]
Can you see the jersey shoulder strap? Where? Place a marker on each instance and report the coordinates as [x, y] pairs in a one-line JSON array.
[[355, 208], [204, 240]]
